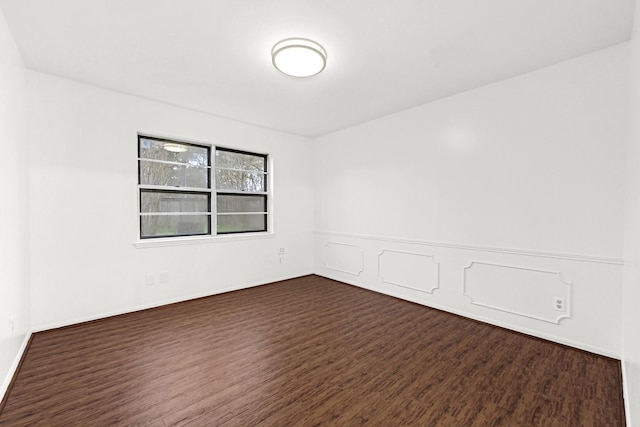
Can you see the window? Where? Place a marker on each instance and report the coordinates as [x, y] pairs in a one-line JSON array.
[[241, 191], [183, 193]]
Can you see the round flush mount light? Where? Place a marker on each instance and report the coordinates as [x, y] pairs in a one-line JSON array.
[[299, 57], [174, 148]]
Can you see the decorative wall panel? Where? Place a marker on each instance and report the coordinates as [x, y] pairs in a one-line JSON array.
[[409, 269], [537, 294], [344, 258]]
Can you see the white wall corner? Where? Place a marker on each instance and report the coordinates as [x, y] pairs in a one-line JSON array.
[[13, 369]]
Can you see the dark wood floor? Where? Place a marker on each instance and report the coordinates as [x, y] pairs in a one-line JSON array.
[[306, 352]]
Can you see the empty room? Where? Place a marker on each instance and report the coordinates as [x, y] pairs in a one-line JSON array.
[[320, 213]]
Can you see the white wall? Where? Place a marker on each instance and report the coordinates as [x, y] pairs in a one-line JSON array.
[[14, 264], [84, 214], [631, 290], [511, 194]]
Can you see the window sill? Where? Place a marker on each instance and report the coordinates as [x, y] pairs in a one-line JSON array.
[[196, 240]]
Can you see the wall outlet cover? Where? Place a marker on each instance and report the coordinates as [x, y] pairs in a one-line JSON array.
[[163, 277], [559, 303]]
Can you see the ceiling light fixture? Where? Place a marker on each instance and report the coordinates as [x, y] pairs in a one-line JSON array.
[[174, 148], [299, 57]]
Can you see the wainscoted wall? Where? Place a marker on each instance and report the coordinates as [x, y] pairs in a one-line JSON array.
[[535, 162], [511, 288]]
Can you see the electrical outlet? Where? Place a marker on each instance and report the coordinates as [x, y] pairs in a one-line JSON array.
[[281, 251], [163, 277], [280, 260], [559, 303]]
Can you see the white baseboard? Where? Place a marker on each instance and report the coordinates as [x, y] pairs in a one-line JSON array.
[[531, 332], [75, 321], [14, 366]]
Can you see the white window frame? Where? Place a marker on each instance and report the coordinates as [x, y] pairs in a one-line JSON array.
[[212, 192]]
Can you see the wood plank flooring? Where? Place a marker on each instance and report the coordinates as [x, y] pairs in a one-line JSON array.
[[306, 352]]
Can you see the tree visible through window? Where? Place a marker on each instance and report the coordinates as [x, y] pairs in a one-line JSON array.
[[176, 185]]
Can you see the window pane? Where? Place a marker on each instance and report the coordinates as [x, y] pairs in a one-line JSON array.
[[172, 151], [240, 181], [241, 203], [152, 173], [173, 225], [170, 201], [241, 223], [241, 161]]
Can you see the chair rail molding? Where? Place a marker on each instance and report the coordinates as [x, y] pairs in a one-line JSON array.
[[409, 273], [537, 289], [481, 248]]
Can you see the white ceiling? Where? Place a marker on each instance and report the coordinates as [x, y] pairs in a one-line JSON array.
[[383, 55]]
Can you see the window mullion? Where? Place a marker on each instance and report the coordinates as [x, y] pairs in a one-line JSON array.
[[213, 203], [167, 162], [174, 213], [175, 189]]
